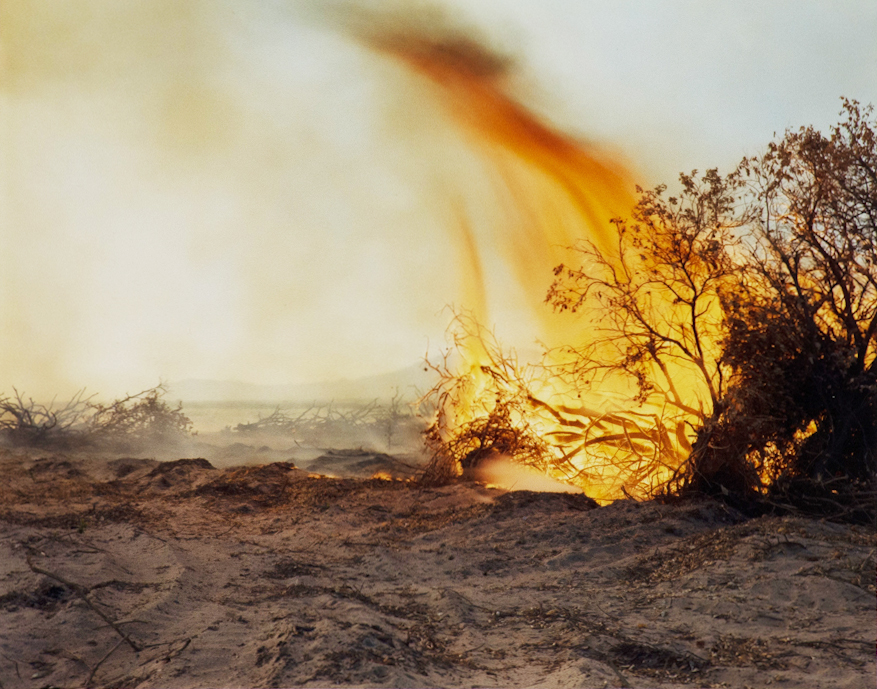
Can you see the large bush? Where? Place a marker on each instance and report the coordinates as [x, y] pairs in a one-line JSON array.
[[739, 320], [764, 284], [801, 324]]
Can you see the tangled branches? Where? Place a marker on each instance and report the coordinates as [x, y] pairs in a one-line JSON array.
[[391, 424], [482, 413], [24, 422], [135, 421], [732, 347]]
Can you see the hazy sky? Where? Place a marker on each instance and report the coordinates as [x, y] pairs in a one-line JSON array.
[[230, 189]]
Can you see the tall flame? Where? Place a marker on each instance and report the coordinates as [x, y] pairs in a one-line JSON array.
[[561, 190]]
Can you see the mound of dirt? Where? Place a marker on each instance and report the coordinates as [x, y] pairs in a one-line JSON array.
[[361, 464]]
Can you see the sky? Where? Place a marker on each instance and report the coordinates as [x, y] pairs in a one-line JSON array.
[[240, 190]]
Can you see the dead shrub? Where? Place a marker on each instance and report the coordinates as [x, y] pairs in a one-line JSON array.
[[134, 422], [392, 425], [25, 423]]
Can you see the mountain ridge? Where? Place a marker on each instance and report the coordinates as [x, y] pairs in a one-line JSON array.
[[409, 382]]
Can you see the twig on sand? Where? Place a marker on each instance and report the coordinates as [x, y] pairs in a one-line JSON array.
[[457, 593], [621, 678], [170, 654], [865, 561], [309, 547], [101, 662], [14, 662], [141, 530], [82, 593]]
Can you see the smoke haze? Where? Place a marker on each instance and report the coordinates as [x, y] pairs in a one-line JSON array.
[[224, 190]]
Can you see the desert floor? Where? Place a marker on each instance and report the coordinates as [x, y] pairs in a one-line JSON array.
[[123, 572]]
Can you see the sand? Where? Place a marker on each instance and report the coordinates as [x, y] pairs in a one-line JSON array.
[[126, 572]]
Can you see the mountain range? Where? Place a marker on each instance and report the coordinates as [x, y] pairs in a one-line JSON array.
[[407, 382]]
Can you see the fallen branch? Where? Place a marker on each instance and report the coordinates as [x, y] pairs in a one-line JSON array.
[[101, 662], [82, 593], [14, 662]]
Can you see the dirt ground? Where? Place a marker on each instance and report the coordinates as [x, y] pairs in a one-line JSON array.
[[123, 572]]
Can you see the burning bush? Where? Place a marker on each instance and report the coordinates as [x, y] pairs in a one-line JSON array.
[[799, 418], [533, 414], [133, 422], [655, 305], [651, 370], [483, 413], [736, 323]]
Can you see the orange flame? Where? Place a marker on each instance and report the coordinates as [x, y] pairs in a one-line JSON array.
[[562, 190]]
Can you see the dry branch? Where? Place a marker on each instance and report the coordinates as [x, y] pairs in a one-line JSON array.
[[82, 593]]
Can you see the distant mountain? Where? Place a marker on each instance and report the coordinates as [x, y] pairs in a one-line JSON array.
[[407, 381]]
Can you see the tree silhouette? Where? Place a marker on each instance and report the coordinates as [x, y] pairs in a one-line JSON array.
[[801, 325]]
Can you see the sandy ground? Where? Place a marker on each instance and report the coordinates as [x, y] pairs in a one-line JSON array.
[[135, 573]]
